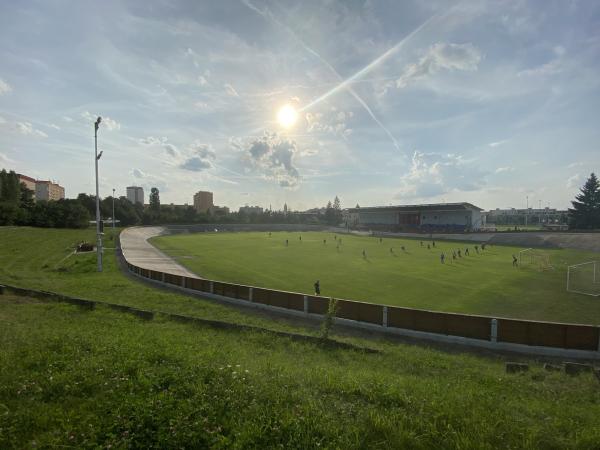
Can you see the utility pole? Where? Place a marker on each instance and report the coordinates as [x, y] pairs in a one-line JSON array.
[[526, 209], [99, 230], [113, 213]]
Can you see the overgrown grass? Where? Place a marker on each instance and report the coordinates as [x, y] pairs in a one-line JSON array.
[[39, 258], [481, 283], [81, 379]]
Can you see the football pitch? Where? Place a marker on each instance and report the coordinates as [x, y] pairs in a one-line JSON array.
[[483, 282]]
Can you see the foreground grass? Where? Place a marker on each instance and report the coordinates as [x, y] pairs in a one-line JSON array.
[[80, 379], [38, 258], [484, 283]]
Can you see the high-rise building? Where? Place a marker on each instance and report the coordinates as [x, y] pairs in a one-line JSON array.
[[28, 182], [47, 190], [135, 194], [203, 201]]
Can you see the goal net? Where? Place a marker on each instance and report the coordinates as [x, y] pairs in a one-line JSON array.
[[534, 258], [584, 278]]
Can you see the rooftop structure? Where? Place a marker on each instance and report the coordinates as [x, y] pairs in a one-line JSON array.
[[447, 217]]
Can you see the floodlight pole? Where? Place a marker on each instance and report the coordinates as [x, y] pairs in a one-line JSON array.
[[526, 209], [113, 213], [98, 231]]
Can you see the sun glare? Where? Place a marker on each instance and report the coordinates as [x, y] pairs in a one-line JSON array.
[[287, 116]]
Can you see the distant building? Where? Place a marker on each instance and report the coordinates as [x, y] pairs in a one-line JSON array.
[[203, 201], [135, 194], [28, 182], [527, 216], [443, 217], [219, 210], [47, 190], [251, 209]]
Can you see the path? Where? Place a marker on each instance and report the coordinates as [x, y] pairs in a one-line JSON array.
[[139, 252]]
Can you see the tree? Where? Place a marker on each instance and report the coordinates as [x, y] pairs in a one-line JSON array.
[[585, 213], [337, 209], [154, 200]]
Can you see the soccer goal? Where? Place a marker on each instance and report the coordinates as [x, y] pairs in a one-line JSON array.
[[584, 278], [534, 258]]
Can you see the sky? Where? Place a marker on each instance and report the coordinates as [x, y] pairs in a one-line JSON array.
[[492, 103]]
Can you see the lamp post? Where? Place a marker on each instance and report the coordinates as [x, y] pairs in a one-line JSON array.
[[526, 210], [98, 225], [113, 213]]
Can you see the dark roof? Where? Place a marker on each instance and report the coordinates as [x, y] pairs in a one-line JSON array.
[[419, 208]]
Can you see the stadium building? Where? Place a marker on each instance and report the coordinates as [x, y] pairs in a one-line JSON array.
[[441, 217]]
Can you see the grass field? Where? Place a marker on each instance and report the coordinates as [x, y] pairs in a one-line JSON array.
[[484, 283], [71, 378]]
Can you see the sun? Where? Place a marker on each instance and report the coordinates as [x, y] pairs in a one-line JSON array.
[[287, 116]]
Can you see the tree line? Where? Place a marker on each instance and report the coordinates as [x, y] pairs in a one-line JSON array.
[[17, 207]]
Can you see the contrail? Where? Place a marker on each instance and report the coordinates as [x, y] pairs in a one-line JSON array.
[[348, 81], [267, 14]]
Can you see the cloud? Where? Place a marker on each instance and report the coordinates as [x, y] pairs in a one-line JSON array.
[[498, 143], [433, 174], [333, 121], [4, 87], [504, 169], [5, 159], [574, 181], [200, 157], [107, 122], [196, 164], [438, 57], [230, 90], [171, 150], [56, 127], [2, 120], [27, 129], [151, 140], [274, 157], [201, 106], [575, 164], [67, 119], [138, 173], [202, 81]]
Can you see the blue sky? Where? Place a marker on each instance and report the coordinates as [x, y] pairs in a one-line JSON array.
[[398, 102]]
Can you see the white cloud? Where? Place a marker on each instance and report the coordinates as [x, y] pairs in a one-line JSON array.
[[201, 106], [138, 173], [171, 150], [200, 157], [27, 129], [230, 90], [575, 164], [67, 119], [107, 122], [2, 120], [56, 127], [4, 87], [574, 181], [5, 159], [441, 56], [274, 157], [432, 174], [504, 169], [151, 140], [333, 121], [202, 81], [498, 143]]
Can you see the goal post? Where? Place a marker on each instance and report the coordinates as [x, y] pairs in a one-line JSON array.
[[584, 278], [534, 257]]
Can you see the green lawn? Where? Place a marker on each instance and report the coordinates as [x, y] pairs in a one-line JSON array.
[[484, 283], [71, 378], [40, 258]]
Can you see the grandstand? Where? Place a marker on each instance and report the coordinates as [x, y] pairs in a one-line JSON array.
[[440, 217]]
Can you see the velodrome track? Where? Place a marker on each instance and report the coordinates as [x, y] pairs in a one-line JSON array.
[[138, 251]]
